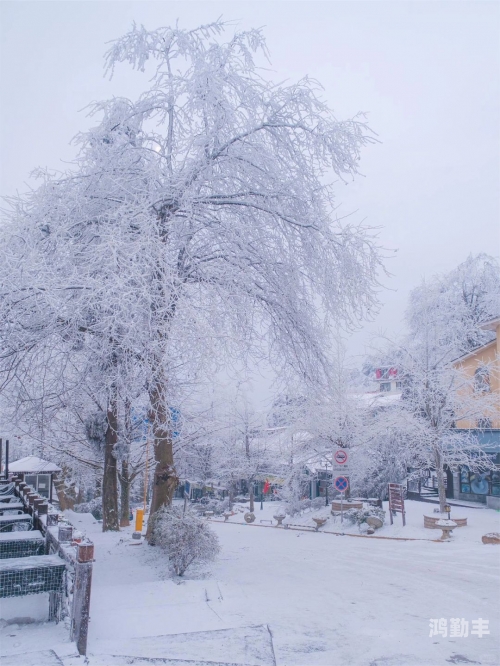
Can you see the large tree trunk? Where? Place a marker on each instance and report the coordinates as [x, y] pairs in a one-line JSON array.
[[124, 495], [110, 476], [165, 476], [440, 477]]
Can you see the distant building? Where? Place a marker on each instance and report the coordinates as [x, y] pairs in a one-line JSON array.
[[387, 379], [37, 473], [483, 366]]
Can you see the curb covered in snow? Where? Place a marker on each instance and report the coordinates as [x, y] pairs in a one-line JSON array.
[[311, 529]]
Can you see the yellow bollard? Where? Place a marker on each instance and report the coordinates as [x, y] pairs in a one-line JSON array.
[[139, 516]]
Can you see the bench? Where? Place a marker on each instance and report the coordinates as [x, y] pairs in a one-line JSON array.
[[21, 544], [266, 520], [20, 576]]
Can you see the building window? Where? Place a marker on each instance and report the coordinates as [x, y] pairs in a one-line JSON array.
[[482, 380], [399, 385], [479, 483], [385, 386], [464, 480]]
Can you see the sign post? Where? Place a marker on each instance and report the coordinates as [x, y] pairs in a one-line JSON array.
[[340, 456], [396, 501], [341, 468], [341, 484]]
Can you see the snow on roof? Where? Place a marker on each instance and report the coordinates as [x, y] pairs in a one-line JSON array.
[[491, 324], [470, 353], [33, 464]]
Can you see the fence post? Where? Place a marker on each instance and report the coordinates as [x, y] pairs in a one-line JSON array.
[[81, 596]]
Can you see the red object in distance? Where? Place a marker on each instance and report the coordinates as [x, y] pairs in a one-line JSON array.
[[266, 488]]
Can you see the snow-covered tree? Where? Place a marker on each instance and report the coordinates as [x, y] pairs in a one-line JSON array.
[[197, 223], [462, 299], [436, 393]]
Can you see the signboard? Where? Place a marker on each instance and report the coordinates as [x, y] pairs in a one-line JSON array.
[[187, 489], [341, 484], [396, 501], [340, 457]]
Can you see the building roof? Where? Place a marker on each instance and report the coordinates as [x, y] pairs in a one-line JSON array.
[[34, 465], [490, 325], [474, 351]]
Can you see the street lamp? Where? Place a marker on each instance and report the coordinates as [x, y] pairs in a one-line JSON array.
[[447, 508]]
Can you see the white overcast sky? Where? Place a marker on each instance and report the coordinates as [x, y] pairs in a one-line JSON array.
[[427, 74]]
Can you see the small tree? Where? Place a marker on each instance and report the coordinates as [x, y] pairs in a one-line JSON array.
[[185, 537]]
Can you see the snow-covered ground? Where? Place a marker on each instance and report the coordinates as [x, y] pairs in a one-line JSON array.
[[285, 597]]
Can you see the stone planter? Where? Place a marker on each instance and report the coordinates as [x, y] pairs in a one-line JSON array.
[[374, 522], [431, 521], [346, 505], [492, 537], [319, 522]]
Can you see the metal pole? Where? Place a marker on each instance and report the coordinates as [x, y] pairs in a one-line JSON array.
[[146, 475], [6, 458], [326, 494], [341, 507], [261, 500]]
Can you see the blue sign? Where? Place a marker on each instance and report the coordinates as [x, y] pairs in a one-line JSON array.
[[341, 484], [187, 488], [175, 417]]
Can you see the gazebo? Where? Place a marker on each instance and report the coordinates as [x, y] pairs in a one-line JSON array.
[[37, 473]]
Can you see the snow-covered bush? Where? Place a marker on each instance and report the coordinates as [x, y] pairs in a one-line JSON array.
[[359, 516], [184, 536], [318, 502], [217, 506], [296, 507], [94, 507]]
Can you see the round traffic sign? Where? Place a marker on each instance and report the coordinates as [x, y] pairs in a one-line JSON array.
[[340, 457], [341, 483]]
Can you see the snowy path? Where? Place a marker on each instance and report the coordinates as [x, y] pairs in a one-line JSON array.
[[336, 600], [328, 600]]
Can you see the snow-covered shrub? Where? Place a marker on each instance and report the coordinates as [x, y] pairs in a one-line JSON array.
[[296, 507], [94, 507], [359, 516], [217, 506], [185, 537]]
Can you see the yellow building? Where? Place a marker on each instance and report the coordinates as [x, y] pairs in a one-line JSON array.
[[482, 366]]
